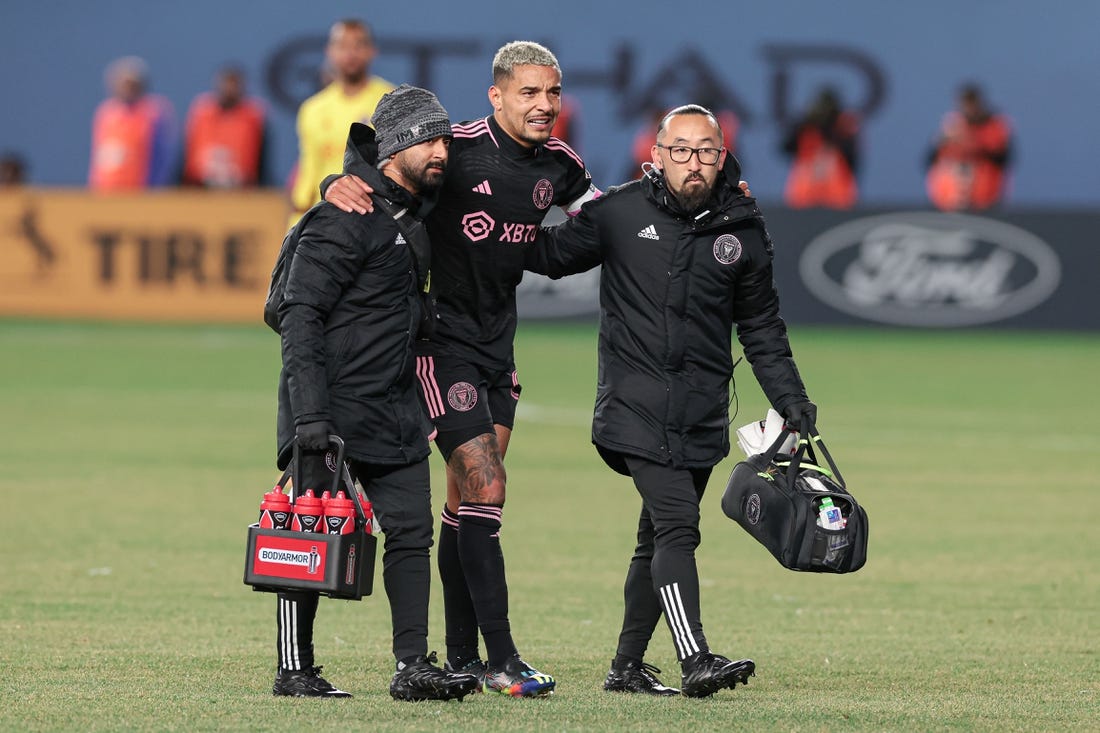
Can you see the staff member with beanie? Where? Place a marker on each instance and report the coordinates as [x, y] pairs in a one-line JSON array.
[[348, 322]]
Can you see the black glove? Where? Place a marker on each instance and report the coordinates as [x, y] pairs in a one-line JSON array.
[[314, 435], [796, 411]]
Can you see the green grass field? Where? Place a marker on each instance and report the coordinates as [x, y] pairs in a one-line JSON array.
[[133, 458]]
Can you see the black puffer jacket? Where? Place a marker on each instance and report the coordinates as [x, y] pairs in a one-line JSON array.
[[672, 288], [348, 325]]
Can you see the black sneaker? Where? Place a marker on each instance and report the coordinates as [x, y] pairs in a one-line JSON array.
[[474, 666], [516, 678], [636, 676], [304, 683], [705, 674], [422, 680]]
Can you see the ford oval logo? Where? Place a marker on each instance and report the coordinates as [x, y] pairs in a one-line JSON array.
[[930, 269]]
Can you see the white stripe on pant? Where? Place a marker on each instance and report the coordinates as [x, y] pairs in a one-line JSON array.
[[288, 636], [677, 619]]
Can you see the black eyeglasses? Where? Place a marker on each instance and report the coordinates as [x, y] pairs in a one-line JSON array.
[[682, 153]]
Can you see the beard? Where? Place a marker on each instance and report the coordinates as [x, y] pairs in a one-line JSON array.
[[693, 197], [426, 179]]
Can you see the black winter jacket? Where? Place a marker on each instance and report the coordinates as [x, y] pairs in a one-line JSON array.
[[348, 324], [672, 288]]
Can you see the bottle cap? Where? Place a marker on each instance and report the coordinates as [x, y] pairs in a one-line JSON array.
[[340, 504], [277, 496], [309, 499]]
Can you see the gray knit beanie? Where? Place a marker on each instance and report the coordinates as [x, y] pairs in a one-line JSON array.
[[408, 116]]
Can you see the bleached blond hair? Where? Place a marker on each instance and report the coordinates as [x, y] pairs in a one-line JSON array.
[[521, 53]]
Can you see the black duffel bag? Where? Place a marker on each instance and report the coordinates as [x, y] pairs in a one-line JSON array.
[[778, 500]]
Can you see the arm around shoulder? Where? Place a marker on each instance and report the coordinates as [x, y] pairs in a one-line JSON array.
[[568, 248]]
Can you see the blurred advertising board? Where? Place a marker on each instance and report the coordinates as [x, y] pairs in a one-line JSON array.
[[174, 255], [197, 256], [929, 269]]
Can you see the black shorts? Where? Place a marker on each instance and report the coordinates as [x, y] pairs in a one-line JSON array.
[[464, 400]]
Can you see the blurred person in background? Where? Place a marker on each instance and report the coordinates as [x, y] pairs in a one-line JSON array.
[[824, 149], [567, 126], [642, 143], [13, 170], [968, 163], [348, 322], [323, 119], [134, 132], [225, 136]]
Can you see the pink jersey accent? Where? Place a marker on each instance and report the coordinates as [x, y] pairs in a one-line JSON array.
[[485, 512], [556, 144], [574, 207], [474, 129], [425, 372]]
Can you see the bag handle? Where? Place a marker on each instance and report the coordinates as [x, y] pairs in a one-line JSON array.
[[296, 464], [343, 475], [808, 436], [815, 437]]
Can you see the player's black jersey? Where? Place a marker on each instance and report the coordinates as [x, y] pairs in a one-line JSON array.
[[495, 195]]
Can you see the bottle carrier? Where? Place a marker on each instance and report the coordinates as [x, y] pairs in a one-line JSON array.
[[335, 565]]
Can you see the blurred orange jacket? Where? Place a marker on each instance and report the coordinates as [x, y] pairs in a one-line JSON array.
[[969, 164], [223, 146], [820, 173]]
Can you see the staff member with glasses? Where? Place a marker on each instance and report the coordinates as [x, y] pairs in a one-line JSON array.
[[686, 257]]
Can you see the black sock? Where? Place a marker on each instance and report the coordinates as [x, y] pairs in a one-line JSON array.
[[458, 609], [483, 562], [406, 661], [621, 661], [294, 641]]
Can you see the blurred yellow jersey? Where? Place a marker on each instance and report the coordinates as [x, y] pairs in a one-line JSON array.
[[323, 122]]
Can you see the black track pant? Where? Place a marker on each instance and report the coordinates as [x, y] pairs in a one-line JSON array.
[[401, 498], [662, 576]]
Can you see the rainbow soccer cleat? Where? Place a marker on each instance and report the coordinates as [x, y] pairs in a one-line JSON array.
[[516, 678]]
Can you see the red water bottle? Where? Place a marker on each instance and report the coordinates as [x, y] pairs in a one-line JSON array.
[[339, 514], [275, 509], [307, 513]]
